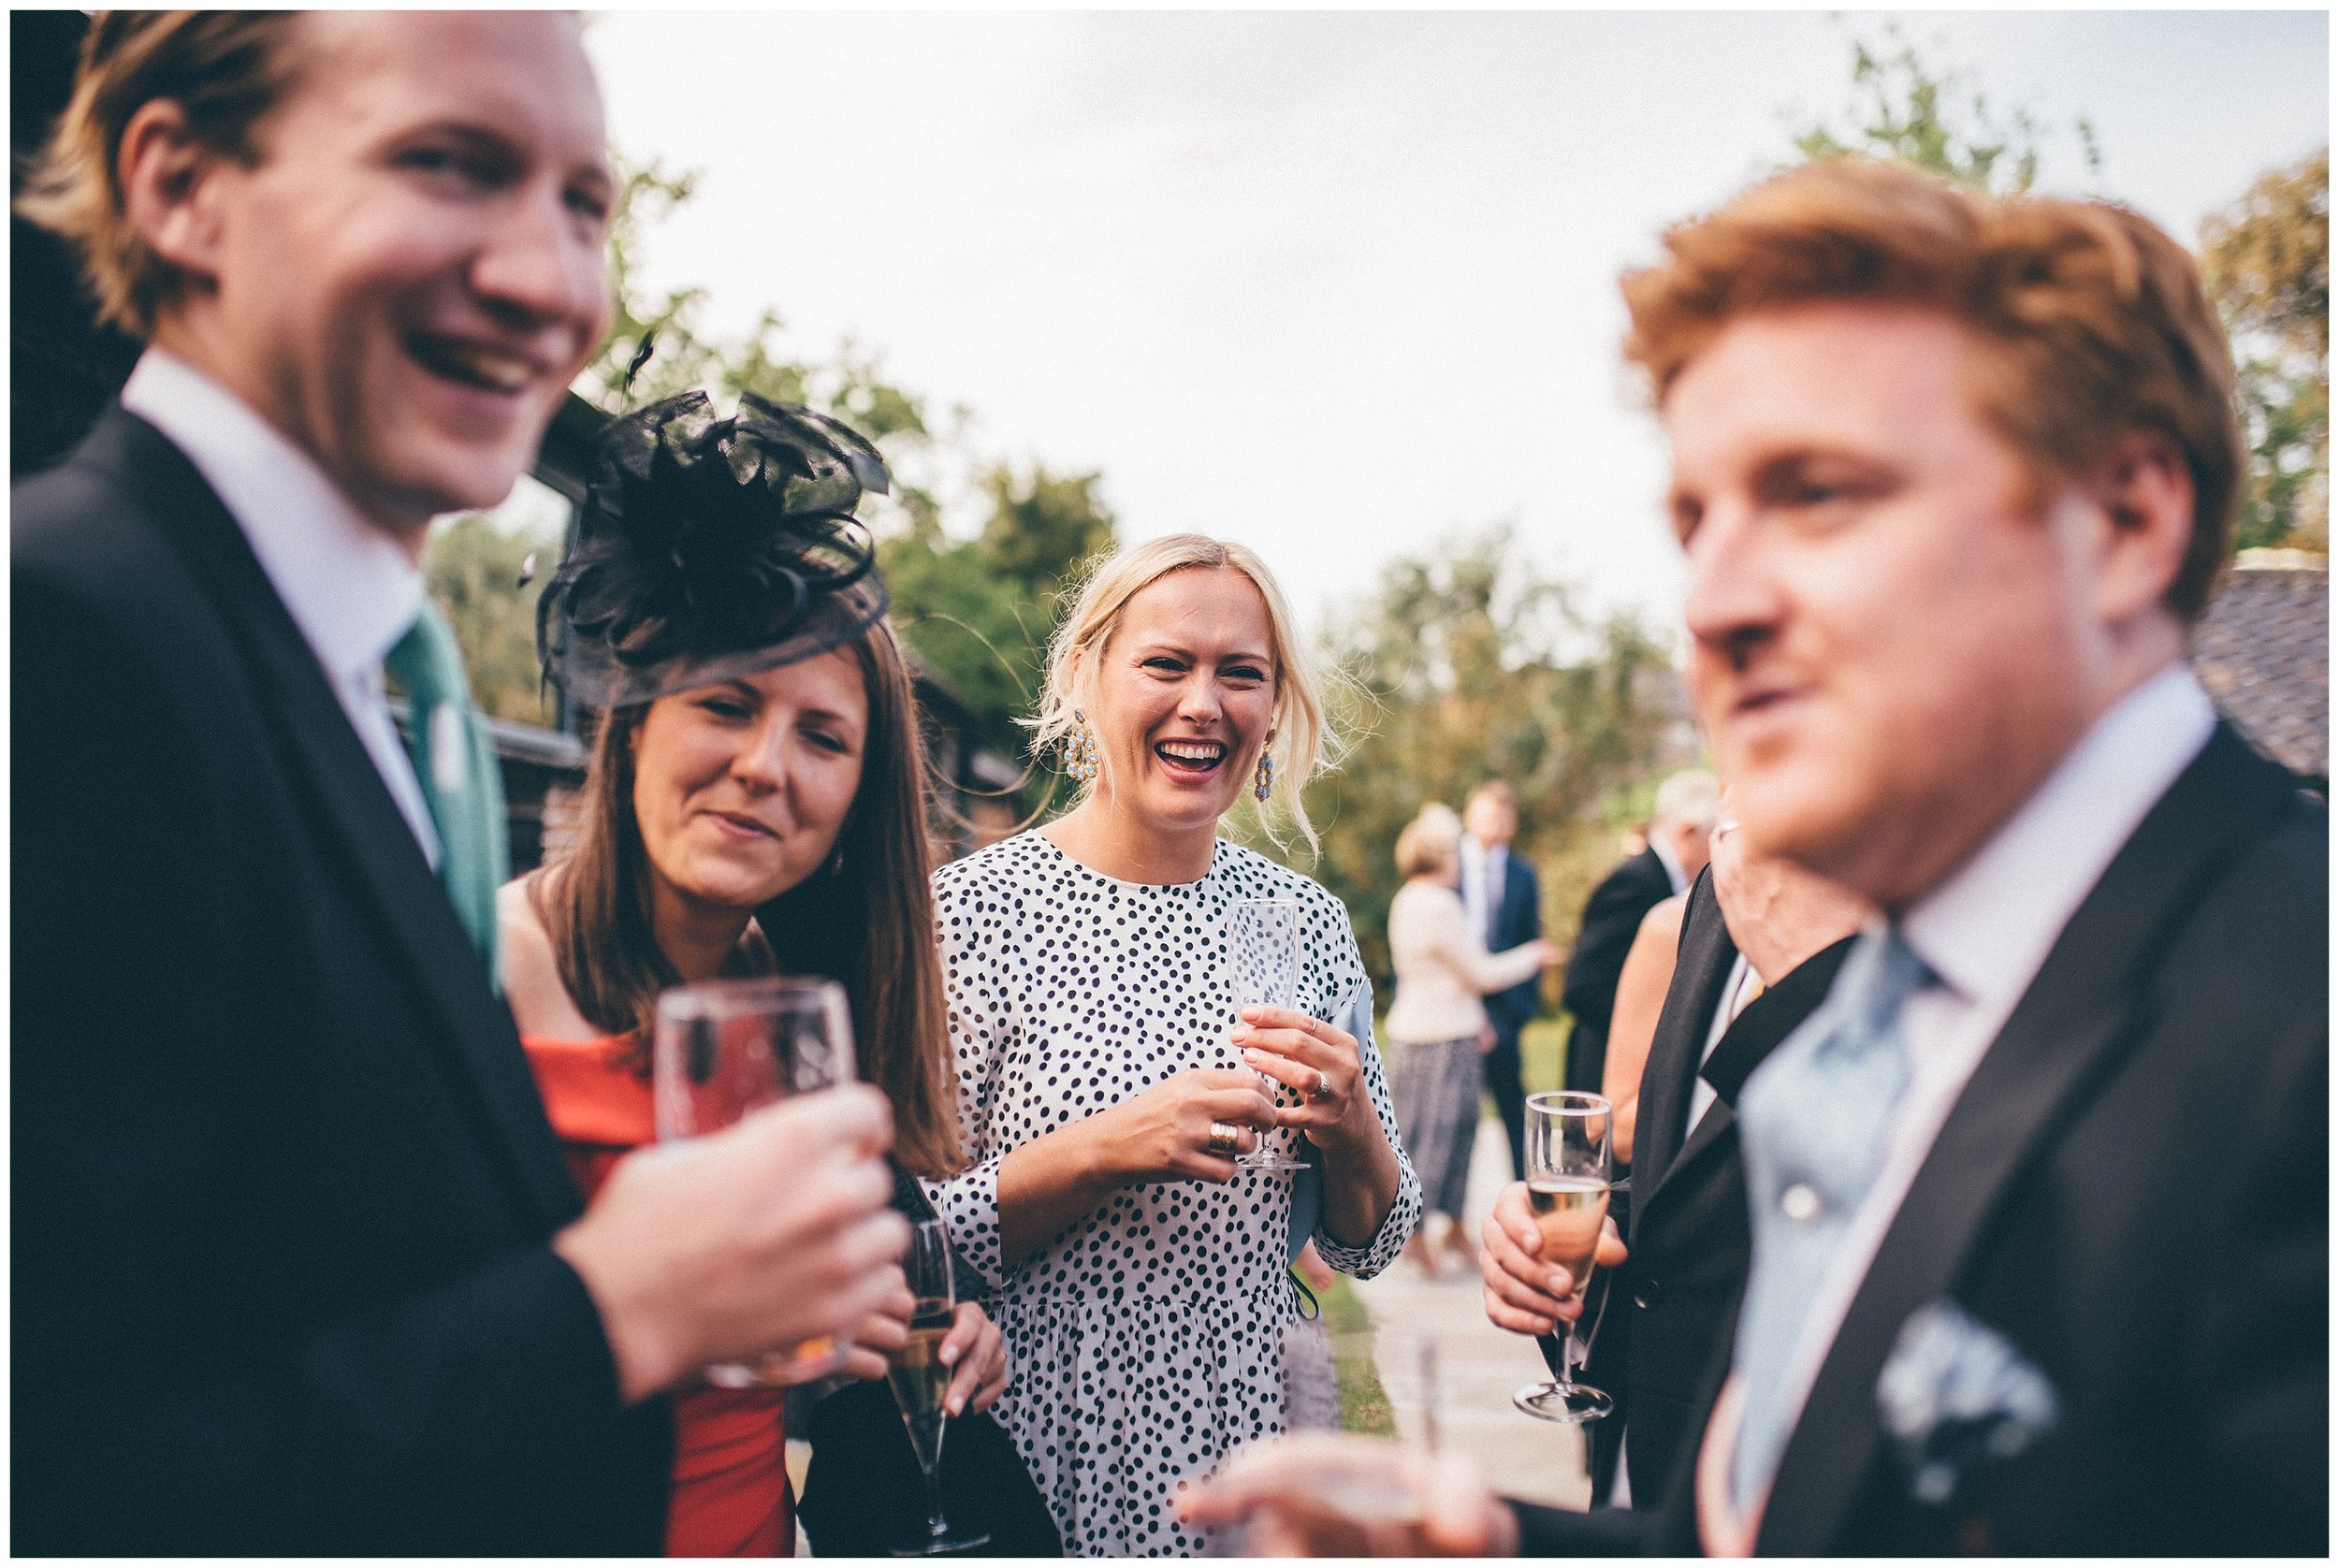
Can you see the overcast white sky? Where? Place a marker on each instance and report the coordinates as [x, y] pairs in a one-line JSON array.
[[1335, 283]]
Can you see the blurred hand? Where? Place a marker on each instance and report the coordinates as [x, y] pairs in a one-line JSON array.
[[977, 1348], [1325, 1494], [1523, 1293], [885, 1330], [1549, 951], [762, 1236], [1163, 1135]]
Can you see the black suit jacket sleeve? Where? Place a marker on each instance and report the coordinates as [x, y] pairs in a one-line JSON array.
[[1564, 1533], [182, 1381], [1612, 919]]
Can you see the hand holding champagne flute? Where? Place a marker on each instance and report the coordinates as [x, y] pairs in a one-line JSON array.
[[921, 1379], [1567, 1192]]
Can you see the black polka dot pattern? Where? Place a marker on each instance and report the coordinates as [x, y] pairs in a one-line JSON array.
[[1146, 1339]]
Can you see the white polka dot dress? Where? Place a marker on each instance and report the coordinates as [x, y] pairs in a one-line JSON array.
[[1146, 1337]]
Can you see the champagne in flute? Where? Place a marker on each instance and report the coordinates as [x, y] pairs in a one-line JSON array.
[[1567, 1190], [1263, 964], [918, 1376], [722, 1049], [921, 1382]]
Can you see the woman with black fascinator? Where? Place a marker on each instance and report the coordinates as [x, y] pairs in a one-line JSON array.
[[754, 806]]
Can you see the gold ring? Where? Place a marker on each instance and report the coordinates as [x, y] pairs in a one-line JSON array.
[[1224, 1138], [1322, 1088]]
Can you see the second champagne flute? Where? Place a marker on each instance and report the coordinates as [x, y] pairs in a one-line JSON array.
[[724, 1048], [1263, 966], [921, 1382], [1567, 1187]]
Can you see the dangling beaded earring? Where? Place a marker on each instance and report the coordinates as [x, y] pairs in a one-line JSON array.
[[1264, 785], [1080, 750]]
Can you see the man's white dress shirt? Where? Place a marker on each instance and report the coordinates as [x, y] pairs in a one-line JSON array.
[[350, 587], [1987, 931], [1482, 868], [1671, 862]]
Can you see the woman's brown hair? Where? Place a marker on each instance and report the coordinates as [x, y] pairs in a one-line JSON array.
[[866, 918]]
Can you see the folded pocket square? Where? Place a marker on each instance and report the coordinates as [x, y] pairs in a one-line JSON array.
[[1954, 1395]]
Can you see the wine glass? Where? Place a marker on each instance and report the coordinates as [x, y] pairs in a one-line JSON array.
[[1567, 1187], [1263, 966], [920, 1381], [722, 1049]]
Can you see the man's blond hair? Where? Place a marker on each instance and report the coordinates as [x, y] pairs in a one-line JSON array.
[[224, 69]]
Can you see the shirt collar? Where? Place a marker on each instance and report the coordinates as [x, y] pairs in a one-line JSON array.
[[1666, 857], [350, 587], [1988, 930]]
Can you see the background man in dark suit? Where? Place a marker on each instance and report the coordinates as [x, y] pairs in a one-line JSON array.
[[1505, 901], [1676, 852], [298, 1264], [1954, 475]]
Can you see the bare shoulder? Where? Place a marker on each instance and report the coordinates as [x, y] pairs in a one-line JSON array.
[[1663, 920], [540, 1003]]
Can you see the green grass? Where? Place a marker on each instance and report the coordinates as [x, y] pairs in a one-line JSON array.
[[1543, 1054], [1363, 1403]]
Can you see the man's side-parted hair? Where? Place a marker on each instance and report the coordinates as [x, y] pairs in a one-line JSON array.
[[226, 69], [2091, 323]]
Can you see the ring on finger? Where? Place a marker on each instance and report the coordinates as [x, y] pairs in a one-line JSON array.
[[1224, 1138], [1322, 1087]]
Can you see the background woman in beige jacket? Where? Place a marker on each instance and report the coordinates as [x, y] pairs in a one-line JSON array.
[[1437, 1027]]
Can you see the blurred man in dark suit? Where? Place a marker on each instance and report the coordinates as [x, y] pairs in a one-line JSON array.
[[297, 1266], [2039, 1197], [1687, 803], [1505, 902]]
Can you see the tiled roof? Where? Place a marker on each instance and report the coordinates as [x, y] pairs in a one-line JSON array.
[[2263, 650]]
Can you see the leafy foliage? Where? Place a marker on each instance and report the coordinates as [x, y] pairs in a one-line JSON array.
[[1934, 119], [1470, 664], [979, 611], [2267, 260], [473, 568]]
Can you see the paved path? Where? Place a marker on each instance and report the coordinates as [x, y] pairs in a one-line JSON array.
[[1478, 1366]]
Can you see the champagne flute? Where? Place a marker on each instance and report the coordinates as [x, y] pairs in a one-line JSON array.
[[724, 1048], [1567, 1187], [1263, 965], [921, 1382]]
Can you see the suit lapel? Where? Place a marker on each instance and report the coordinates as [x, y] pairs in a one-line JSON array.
[[336, 776], [1701, 968], [2066, 1035]]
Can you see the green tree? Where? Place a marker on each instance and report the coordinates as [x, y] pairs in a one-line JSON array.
[[1934, 118], [979, 611], [473, 570], [2267, 259], [1472, 665]]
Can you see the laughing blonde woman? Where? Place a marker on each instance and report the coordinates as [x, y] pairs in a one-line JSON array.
[[1103, 1083]]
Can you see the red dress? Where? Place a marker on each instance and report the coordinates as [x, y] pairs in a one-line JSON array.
[[731, 1495]]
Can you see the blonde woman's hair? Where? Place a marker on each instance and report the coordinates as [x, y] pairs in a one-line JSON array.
[[1303, 742], [1430, 840]]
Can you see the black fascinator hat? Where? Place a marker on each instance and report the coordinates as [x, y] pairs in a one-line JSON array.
[[710, 549]]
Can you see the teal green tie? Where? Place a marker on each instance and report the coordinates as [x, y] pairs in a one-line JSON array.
[[455, 763]]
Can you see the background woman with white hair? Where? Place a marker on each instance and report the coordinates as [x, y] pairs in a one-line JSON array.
[[1437, 1024], [1104, 1087]]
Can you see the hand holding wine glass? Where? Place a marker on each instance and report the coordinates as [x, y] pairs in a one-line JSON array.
[[1567, 1191]]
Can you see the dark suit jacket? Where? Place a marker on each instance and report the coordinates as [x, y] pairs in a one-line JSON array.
[[1612, 917], [2169, 1063], [283, 1184], [1518, 919], [1675, 1303]]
